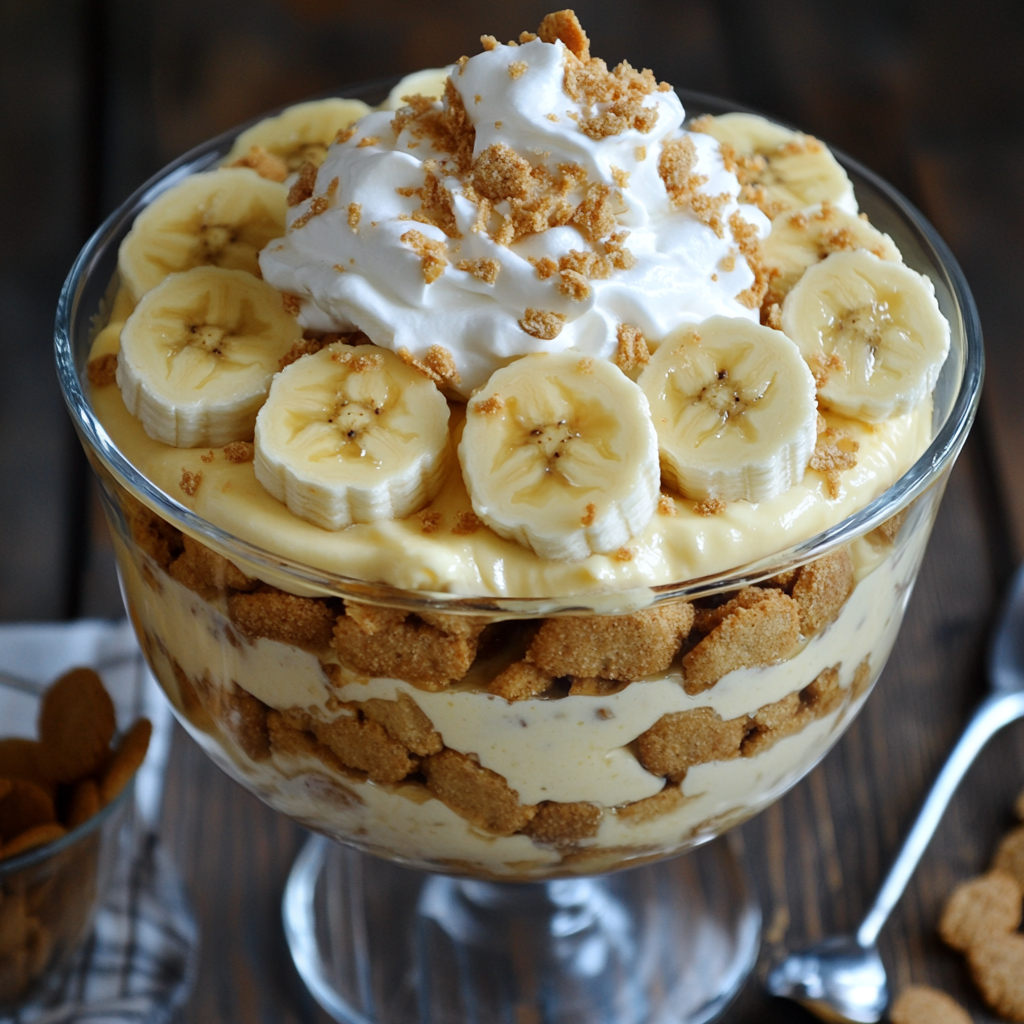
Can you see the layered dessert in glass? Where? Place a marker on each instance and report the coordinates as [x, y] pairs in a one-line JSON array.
[[525, 478]]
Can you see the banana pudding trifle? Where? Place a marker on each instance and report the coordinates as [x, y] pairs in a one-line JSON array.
[[529, 363]]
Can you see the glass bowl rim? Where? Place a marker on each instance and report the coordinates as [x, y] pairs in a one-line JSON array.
[[940, 453]]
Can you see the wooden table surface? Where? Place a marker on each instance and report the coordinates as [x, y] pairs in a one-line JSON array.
[[97, 94]]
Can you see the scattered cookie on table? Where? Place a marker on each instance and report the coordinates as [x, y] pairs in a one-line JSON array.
[[922, 1004]]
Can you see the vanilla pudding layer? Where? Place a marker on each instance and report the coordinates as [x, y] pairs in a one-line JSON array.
[[445, 555], [556, 783]]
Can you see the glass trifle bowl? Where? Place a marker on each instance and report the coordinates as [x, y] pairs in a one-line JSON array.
[[502, 732]]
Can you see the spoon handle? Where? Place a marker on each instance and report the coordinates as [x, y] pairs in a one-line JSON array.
[[995, 712]]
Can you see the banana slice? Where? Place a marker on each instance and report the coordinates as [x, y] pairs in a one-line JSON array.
[[800, 240], [429, 82], [795, 170], [221, 218], [198, 354], [733, 405], [352, 435], [872, 330], [559, 454], [300, 133]]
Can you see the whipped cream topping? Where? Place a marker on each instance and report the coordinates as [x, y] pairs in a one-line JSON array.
[[511, 217]]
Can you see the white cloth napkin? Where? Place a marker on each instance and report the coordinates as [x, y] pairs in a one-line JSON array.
[[138, 964]]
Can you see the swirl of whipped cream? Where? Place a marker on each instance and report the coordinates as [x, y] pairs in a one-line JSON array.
[[541, 205]]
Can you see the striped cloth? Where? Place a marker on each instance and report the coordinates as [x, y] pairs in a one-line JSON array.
[[138, 964]]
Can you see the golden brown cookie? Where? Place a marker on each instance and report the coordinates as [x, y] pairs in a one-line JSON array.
[[411, 649], [245, 717], [291, 739], [38, 835], [821, 590], [302, 621], [476, 793], [520, 681], [24, 806], [625, 647], [664, 802], [361, 743], [84, 803], [681, 739], [76, 725], [793, 713], [979, 908], [1010, 855], [558, 824], [748, 636], [25, 759], [997, 967], [404, 720], [922, 1004], [127, 760], [203, 570]]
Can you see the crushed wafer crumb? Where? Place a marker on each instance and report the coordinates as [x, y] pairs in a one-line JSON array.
[[432, 253], [623, 555], [306, 347], [430, 521], [239, 452], [563, 824], [467, 523], [102, 371], [773, 317], [306, 622], [489, 43], [667, 506], [266, 165], [318, 205], [745, 235], [821, 366], [709, 507], [302, 189], [207, 457], [595, 216], [834, 453], [499, 173], [541, 324], [565, 26], [344, 134], [589, 515], [190, 482], [517, 69], [573, 285], [489, 406], [355, 213], [632, 352], [359, 362], [476, 793], [368, 140], [620, 177], [292, 303], [485, 270], [821, 590]]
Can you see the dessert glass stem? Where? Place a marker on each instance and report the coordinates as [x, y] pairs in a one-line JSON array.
[[381, 944]]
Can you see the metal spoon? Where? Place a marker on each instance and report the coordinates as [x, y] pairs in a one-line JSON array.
[[842, 978]]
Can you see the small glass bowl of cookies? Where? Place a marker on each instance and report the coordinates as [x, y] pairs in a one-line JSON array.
[[65, 797]]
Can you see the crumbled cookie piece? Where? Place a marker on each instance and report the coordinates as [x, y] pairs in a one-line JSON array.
[[294, 740], [432, 252], [466, 627], [922, 1004], [161, 541], [667, 506], [997, 967], [361, 743], [405, 721], [889, 530], [190, 482], [76, 724], [793, 713], [245, 717], [302, 189], [266, 165], [412, 650], [834, 453], [666, 801], [240, 452], [564, 25], [980, 908], [557, 824], [1009, 856], [681, 739], [632, 352], [373, 619], [500, 173], [308, 346], [520, 681], [709, 507], [761, 633], [476, 793], [613, 647], [102, 370], [287, 618], [595, 215], [483, 269], [466, 524], [541, 324], [203, 570], [862, 679], [821, 590]]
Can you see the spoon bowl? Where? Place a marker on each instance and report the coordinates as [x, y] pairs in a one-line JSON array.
[[843, 978]]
